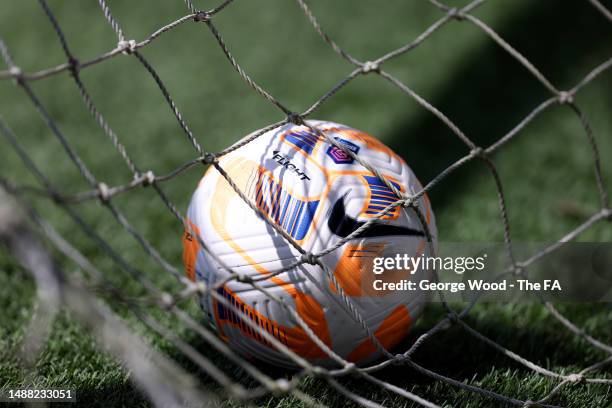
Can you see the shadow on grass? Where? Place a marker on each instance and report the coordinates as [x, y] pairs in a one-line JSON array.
[[493, 91]]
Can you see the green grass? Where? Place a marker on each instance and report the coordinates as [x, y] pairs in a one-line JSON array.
[[546, 170]]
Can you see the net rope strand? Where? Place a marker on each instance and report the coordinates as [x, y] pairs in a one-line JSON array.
[[73, 254], [169, 302]]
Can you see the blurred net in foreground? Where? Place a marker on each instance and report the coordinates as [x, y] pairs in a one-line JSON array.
[[151, 369]]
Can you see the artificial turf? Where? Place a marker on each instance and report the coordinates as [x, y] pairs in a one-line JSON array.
[[546, 171]]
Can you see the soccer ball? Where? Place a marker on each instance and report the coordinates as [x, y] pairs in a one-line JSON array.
[[318, 194]]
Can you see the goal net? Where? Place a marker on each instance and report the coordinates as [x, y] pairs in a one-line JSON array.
[[186, 364]]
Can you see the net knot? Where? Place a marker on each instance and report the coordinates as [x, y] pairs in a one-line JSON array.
[[201, 16], [309, 258], [103, 192], [370, 66], [56, 197], [529, 403], [565, 97], [198, 287], [452, 317], [74, 65], [477, 152], [242, 278], [15, 72], [456, 14], [319, 371], [295, 118], [166, 299], [519, 270], [127, 46], [407, 201], [148, 178], [607, 214], [209, 158], [350, 367], [575, 378], [399, 358], [282, 385], [201, 287]]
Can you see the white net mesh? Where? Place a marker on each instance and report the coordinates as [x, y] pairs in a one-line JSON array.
[[150, 368]]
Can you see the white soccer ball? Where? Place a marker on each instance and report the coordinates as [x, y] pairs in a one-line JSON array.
[[318, 195]]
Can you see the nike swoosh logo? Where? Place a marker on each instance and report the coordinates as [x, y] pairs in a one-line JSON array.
[[343, 225]]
